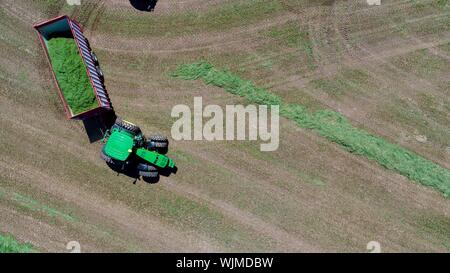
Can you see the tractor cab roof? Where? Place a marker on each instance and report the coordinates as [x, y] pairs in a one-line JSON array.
[[119, 145]]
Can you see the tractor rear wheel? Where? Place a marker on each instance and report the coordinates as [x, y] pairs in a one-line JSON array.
[[115, 165], [106, 158], [127, 126]]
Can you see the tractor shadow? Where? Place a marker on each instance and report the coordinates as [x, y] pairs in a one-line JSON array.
[[133, 173], [144, 5]]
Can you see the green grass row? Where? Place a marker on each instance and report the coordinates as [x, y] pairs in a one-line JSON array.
[[329, 124], [9, 245]]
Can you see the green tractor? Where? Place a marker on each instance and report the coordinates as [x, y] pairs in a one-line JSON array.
[[125, 148]]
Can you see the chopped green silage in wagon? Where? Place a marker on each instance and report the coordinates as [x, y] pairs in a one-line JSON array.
[[71, 75]]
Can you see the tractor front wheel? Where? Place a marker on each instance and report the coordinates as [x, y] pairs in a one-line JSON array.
[[149, 174], [146, 170], [158, 143]]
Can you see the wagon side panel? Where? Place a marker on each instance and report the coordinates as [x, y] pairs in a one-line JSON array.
[[97, 84], [44, 46]]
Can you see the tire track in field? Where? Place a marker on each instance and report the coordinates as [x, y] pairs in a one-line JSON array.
[[283, 238], [373, 61], [146, 229], [24, 15], [232, 39]]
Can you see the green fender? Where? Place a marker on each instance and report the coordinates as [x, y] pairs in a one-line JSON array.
[[159, 160]]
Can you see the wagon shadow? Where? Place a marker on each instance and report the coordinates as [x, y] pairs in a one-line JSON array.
[[97, 125], [144, 5]]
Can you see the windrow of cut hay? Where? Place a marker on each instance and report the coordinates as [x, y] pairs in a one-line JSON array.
[[329, 124]]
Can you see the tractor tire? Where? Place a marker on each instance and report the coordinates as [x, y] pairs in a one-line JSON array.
[[146, 170], [113, 164], [159, 141], [106, 158], [94, 58], [159, 144], [127, 126], [149, 174], [158, 138], [146, 167]]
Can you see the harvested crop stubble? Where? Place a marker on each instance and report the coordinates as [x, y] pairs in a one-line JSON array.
[[330, 124], [71, 75]]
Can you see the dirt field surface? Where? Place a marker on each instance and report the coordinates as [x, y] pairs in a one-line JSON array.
[[384, 67]]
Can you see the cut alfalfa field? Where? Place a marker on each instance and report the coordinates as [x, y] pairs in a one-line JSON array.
[[71, 75], [330, 124]]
